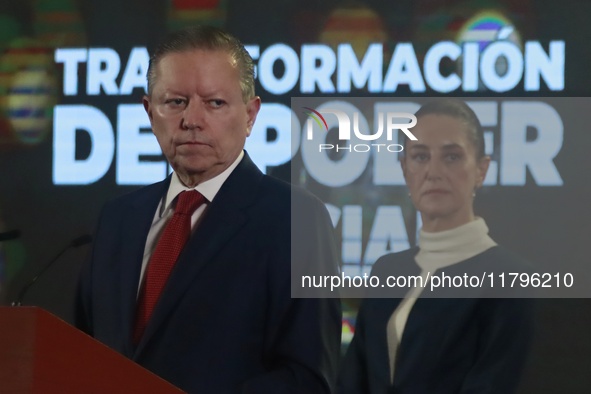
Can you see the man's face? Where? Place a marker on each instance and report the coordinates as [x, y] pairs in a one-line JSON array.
[[198, 114]]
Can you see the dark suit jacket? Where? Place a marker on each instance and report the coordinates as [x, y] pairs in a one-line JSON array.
[[225, 322], [449, 345]]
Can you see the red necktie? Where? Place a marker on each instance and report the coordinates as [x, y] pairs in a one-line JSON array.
[[169, 247]]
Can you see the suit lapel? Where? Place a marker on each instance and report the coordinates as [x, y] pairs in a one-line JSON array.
[[224, 217]]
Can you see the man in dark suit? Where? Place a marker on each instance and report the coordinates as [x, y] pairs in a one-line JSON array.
[[222, 319]]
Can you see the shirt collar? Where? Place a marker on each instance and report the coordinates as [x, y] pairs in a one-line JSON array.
[[209, 188]]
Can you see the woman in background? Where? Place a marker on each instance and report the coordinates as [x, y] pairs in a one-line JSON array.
[[438, 345]]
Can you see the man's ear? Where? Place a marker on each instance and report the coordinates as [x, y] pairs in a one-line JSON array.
[[148, 106], [252, 109]]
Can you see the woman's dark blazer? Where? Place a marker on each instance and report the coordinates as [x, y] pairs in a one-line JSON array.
[[450, 345]]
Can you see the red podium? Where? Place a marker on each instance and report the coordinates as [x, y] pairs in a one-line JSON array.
[[40, 353]]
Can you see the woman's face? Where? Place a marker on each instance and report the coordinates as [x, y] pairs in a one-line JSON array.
[[442, 172]]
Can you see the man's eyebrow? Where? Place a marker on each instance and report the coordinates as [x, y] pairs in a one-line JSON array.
[[172, 92]]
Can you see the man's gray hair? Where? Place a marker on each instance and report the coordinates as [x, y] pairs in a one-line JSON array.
[[205, 38]]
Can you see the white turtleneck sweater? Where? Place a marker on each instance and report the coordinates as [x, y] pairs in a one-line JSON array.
[[436, 251]]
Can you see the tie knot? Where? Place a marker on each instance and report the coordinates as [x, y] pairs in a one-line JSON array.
[[188, 202]]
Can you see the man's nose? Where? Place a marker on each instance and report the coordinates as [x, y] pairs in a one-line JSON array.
[[193, 115]]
